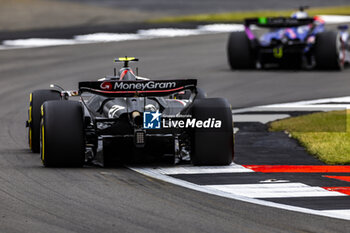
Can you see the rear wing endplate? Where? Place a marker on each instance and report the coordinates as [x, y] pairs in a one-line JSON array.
[[139, 88], [278, 22]]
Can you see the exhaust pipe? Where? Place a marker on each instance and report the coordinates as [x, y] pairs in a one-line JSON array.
[[137, 118]]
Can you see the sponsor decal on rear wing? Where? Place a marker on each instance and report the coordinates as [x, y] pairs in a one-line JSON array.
[[278, 22], [139, 88]]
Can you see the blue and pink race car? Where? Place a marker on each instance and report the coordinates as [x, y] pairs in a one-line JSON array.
[[296, 42]]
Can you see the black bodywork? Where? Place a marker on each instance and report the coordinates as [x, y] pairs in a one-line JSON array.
[[114, 118]]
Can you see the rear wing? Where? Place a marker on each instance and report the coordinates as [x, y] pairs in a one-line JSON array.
[[139, 88], [277, 22]]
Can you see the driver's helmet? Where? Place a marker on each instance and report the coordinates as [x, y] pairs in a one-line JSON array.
[[300, 15]]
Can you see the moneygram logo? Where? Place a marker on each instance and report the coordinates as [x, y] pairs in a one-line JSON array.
[[106, 86], [144, 86]]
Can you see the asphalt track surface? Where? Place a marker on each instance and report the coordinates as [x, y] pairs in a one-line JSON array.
[[37, 199]]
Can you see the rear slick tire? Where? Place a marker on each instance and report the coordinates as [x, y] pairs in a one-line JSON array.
[[212, 146], [62, 134], [239, 52], [328, 49], [36, 99]]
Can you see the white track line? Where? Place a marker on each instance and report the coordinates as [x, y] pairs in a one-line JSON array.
[[263, 118], [190, 169], [338, 212], [37, 42], [336, 18], [106, 37], [311, 105], [140, 34], [168, 32], [275, 190], [156, 175], [144, 34], [221, 28], [247, 192]]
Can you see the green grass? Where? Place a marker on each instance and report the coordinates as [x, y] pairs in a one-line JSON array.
[[239, 16], [324, 135]]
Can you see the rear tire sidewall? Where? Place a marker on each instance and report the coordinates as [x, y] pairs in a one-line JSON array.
[[62, 134], [239, 51], [211, 146], [37, 98], [327, 48]]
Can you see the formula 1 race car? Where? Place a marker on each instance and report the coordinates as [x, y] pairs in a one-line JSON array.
[[295, 42], [127, 118]]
